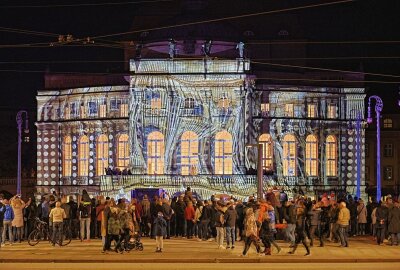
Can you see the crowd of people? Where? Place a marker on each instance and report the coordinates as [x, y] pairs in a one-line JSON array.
[[258, 222]]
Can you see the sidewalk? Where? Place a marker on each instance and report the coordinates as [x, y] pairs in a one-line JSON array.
[[361, 250]]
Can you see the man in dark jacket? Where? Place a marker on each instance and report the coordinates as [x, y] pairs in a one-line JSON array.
[[394, 223], [230, 217], [382, 213], [205, 220], [73, 206], [353, 217], [180, 216], [167, 212], [290, 217], [240, 217]]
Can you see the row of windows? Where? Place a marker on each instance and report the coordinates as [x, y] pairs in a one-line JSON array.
[[291, 110], [388, 150], [387, 173], [289, 144]]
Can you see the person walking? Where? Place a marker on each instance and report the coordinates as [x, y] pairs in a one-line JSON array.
[[361, 217], [314, 219], [250, 231], [301, 235], [267, 234], [160, 229], [394, 223], [56, 217], [290, 217], [230, 222], [343, 222]]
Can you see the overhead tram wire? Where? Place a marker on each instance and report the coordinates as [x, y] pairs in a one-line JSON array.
[[227, 18], [86, 4]]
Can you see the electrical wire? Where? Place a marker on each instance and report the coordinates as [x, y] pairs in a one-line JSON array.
[[227, 18], [86, 4], [27, 32]]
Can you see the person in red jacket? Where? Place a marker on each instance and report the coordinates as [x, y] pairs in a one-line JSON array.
[[189, 217]]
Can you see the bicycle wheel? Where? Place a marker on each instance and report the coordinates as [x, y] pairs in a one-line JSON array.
[[66, 238], [34, 237]]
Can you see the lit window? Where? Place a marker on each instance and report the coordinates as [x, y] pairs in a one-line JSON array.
[[92, 107], [289, 110], [103, 110], [331, 156], [83, 156], [189, 153], [67, 156], [311, 110], [388, 150], [101, 154], [387, 123], [155, 153], [388, 173], [223, 103], [289, 155], [311, 155], [123, 110], [266, 141], [67, 113], [331, 113], [115, 104], [73, 110], [82, 111], [264, 108], [155, 103], [122, 151], [189, 103], [223, 153]]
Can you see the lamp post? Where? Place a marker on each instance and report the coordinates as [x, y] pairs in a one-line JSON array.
[[358, 150], [259, 168], [378, 110], [19, 119]]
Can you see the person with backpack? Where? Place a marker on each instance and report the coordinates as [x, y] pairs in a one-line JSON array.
[[84, 216]]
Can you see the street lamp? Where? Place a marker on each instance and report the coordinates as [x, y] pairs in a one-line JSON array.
[[259, 168], [26, 130], [358, 150], [378, 110]]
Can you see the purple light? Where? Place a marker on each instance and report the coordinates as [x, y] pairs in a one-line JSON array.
[[369, 120]]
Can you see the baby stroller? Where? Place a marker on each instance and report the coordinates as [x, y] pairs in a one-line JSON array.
[[134, 242]]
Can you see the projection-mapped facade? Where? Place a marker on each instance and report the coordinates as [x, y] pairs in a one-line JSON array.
[[187, 122]]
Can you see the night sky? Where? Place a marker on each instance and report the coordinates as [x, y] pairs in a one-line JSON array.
[[366, 20]]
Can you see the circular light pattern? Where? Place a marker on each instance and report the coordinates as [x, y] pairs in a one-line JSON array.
[[110, 160], [110, 136], [53, 160], [74, 168], [74, 138], [46, 183], [349, 168], [53, 146], [46, 146], [91, 153], [343, 161], [39, 139], [91, 160], [91, 137], [350, 154], [349, 182], [53, 168], [39, 132], [39, 160], [91, 145], [74, 154], [39, 168], [52, 153], [39, 175], [91, 174], [349, 174], [39, 146], [46, 139], [53, 139], [90, 181], [61, 182], [45, 160], [46, 175], [74, 175], [39, 154], [46, 168], [74, 182], [74, 161], [362, 168], [74, 146], [110, 144], [45, 154], [343, 146], [53, 175], [350, 161], [39, 182], [350, 139], [110, 152], [342, 174], [351, 147], [90, 167], [363, 140], [53, 183]]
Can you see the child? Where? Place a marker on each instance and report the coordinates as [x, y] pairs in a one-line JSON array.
[[267, 234], [160, 231]]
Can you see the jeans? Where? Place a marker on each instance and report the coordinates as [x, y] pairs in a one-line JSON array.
[[230, 235], [343, 235], [7, 226], [204, 229], [18, 233], [85, 222], [290, 232], [395, 238], [57, 231], [247, 243], [190, 227], [380, 233], [220, 236]]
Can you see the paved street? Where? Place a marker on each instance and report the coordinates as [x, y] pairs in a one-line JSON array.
[[178, 253]]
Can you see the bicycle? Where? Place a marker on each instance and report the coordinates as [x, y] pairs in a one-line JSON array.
[[43, 232]]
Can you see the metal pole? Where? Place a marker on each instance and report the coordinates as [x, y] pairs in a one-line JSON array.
[[19, 126], [358, 150], [259, 171]]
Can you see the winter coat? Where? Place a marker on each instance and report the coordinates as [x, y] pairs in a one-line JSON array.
[[313, 216], [382, 213], [113, 223], [189, 213], [373, 216], [18, 208], [230, 217], [160, 228], [290, 214], [8, 213], [67, 210], [206, 213], [250, 226], [394, 220], [344, 216], [266, 230], [362, 213], [220, 219]]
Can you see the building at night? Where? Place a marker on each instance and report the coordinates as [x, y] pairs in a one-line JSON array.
[[184, 114]]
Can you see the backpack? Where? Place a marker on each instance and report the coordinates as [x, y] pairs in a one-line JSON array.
[[85, 211]]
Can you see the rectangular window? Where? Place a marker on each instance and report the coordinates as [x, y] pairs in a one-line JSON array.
[[67, 113], [83, 111], [124, 110], [103, 110], [331, 112], [388, 173], [264, 109], [73, 109], [92, 108], [311, 110], [115, 104], [388, 150], [289, 110]]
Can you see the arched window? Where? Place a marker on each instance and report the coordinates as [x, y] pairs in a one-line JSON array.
[[189, 153], [83, 156], [331, 156], [67, 156], [223, 153], [101, 155], [311, 155], [289, 155], [266, 141], [155, 153], [122, 151]]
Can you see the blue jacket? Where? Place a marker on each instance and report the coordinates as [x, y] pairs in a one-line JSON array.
[[9, 213], [160, 228]]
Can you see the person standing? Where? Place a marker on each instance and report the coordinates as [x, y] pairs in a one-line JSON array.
[[74, 215], [205, 218], [56, 217], [189, 217], [2, 210], [314, 219], [361, 217], [382, 213], [230, 217], [220, 226], [18, 206], [160, 226], [7, 221], [290, 217], [343, 222], [84, 216], [394, 223]]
